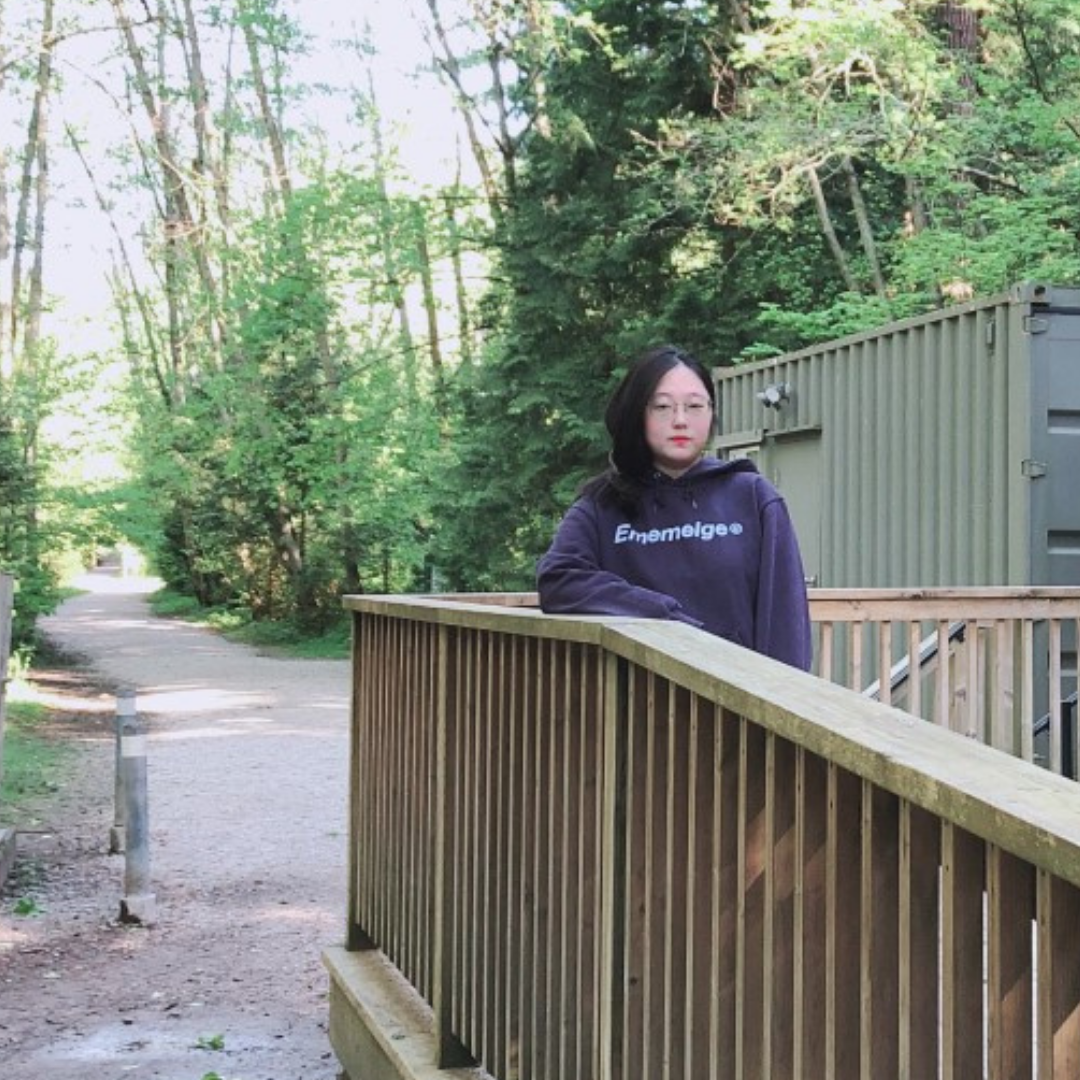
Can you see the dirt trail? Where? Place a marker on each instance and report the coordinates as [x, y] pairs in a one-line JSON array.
[[247, 760]]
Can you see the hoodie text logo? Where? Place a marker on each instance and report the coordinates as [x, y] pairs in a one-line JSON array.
[[696, 530]]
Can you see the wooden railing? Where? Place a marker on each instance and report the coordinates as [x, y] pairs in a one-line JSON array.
[[603, 849], [997, 665]]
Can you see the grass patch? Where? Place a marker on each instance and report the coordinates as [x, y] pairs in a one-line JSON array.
[[174, 605], [282, 638], [33, 763]]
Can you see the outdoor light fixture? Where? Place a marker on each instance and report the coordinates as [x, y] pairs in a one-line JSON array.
[[774, 395]]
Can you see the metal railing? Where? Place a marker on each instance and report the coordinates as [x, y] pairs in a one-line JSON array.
[[602, 849]]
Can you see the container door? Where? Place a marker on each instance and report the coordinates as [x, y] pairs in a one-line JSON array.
[[793, 464], [1054, 466]]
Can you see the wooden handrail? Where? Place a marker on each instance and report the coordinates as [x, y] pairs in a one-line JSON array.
[[626, 849], [1002, 661]]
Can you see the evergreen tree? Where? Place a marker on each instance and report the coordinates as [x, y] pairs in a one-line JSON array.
[[592, 267]]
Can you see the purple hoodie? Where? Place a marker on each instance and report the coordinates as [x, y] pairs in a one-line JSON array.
[[714, 548]]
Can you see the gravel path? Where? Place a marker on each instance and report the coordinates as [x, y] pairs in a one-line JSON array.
[[247, 759]]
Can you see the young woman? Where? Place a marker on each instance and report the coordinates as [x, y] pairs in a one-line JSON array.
[[670, 532]]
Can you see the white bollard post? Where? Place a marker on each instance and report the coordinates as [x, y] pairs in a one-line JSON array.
[[125, 708], [139, 904]]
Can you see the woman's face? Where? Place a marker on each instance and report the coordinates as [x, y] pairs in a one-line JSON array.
[[678, 421]]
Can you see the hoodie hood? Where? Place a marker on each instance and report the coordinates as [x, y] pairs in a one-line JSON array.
[[703, 467], [700, 474]]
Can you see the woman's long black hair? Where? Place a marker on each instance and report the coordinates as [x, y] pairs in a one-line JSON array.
[[631, 459]]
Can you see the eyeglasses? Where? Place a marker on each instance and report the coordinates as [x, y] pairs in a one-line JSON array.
[[695, 409]]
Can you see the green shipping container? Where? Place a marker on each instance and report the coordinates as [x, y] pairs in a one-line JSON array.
[[937, 451]]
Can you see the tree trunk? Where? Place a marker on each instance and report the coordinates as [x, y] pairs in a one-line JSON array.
[[962, 29], [6, 314], [461, 294], [208, 165], [36, 287], [431, 310], [288, 544], [33, 188], [33, 202], [506, 141], [962, 32], [179, 224], [537, 36], [829, 231], [866, 233], [127, 284], [280, 174], [392, 267], [915, 216], [449, 64], [351, 552]]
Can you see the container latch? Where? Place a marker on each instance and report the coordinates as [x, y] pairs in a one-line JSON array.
[[1033, 470]]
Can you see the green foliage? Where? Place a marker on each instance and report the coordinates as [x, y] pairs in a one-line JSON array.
[[168, 603], [236, 623], [681, 188], [33, 763], [593, 267], [851, 313], [26, 906], [287, 640], [966, 163], [23, 535], [301, 470], [740, 181]]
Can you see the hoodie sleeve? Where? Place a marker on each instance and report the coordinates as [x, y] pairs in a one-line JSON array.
[[571, 581], [782, 616]]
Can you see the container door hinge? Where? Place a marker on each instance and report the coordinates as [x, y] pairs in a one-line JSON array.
[[1034, 325], [1033, 470]]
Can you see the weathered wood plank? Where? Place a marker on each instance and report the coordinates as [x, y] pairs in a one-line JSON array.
[[1059, 982], [1010, 960], [962, 936], [654, 855]]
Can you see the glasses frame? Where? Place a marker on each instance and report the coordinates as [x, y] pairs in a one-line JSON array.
[[693, 410]]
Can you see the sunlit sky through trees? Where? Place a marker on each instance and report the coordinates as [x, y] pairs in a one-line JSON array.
[[420, 125], [95, 107]]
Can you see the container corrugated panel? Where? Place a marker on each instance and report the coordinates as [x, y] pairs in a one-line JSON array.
[[901, 451]]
